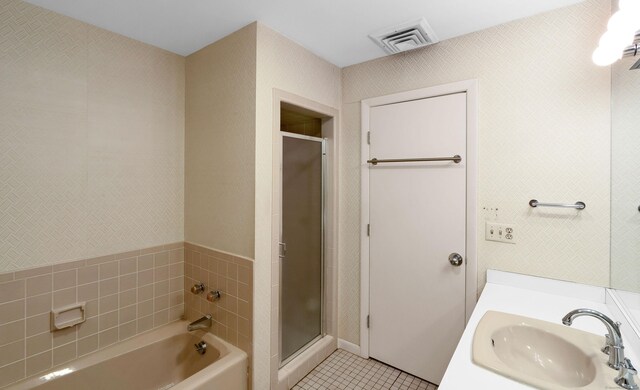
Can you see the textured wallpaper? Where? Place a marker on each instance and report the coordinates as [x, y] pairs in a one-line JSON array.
[[220, 144], [91, 140], [625, 181], [284, 65], [544, 133]]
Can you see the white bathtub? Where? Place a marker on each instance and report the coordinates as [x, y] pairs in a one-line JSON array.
[[161, 359]]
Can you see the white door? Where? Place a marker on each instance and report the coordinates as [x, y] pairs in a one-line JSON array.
[[418, 219]]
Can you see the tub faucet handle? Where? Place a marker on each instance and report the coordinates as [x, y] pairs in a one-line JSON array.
[[197, 288], [214, 295]]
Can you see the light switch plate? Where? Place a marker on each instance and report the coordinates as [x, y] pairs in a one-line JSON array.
[[500, 232]]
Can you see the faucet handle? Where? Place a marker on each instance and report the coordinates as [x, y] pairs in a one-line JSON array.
[[214, 295], [625, 376], [627, 364], [197, 288]]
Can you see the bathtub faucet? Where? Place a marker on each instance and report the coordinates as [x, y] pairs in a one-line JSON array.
[[201, 323]]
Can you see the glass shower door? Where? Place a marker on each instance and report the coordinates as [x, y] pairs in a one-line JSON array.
[[301, 265]]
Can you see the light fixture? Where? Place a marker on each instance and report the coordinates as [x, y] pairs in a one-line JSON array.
[[605, 56], [621, 34]]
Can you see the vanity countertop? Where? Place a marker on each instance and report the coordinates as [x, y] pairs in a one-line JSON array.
[[534, 297]]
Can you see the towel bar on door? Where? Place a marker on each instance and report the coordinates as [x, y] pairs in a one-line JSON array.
[[577, 205], [456, 159]]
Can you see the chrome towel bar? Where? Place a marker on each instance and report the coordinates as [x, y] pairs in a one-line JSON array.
[[577, 205], [456, 159]]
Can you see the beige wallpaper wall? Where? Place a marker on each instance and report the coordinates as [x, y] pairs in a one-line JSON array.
[[91, 140], [625, 187], [544, 134], [284, 65], [220, 144]]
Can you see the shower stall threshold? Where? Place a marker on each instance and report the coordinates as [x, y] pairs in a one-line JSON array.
[[300, 351], [298, 366]]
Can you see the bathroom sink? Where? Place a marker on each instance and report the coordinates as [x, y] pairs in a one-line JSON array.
[[540, 353]]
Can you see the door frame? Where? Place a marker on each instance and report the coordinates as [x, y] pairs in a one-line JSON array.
[[470, 87], [301, 365]]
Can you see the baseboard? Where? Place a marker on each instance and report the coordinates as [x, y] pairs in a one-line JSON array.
[[349, 347]]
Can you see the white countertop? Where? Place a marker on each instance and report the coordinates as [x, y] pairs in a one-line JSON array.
[[523, 295]]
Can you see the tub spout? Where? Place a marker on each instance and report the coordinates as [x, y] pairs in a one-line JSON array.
[[201, 323]]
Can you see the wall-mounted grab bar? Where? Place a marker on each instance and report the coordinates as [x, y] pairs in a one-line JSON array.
[[577, 205], [456, 159]]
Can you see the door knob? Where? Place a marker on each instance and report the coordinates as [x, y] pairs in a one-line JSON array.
[[455, 259]]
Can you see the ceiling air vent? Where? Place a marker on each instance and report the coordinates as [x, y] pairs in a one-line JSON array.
[[407, 36]]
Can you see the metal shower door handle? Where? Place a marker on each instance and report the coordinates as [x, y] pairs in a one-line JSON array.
[[455, 259]]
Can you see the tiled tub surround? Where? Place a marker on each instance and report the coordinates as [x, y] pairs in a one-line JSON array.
[[125, 294], [233, 277]]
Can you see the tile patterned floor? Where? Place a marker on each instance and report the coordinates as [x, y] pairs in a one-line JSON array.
[[346, 371]]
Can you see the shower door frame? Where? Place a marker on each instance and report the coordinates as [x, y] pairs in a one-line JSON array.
[[323, 142]]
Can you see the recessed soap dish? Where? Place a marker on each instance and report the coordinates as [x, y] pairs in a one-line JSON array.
[[68, 316]]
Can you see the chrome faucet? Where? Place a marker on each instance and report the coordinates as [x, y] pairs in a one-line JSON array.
[[613, 347], [201, 323]]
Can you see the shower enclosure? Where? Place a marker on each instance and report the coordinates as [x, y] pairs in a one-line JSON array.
[[301, 244]]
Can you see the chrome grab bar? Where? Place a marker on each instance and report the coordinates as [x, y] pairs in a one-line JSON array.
[[577, 205], [374, 161]]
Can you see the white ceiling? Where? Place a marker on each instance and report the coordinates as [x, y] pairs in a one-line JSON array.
[[336, 30]]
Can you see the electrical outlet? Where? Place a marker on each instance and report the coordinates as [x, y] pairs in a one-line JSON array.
[[500, 232]]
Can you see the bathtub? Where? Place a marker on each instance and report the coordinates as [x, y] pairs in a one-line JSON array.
[[160, 359]]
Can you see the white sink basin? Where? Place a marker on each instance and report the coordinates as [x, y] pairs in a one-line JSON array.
[[540, 353]]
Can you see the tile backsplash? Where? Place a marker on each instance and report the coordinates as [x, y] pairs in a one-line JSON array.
[[125, 294]]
